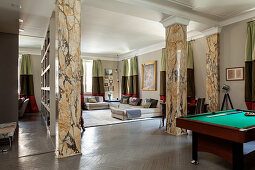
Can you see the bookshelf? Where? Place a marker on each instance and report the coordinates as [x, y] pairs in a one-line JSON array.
[[48, 93]]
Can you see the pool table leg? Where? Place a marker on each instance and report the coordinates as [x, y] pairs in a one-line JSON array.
[[237, 156], [194, 148]]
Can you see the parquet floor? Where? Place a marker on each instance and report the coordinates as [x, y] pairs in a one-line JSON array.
[[137, 145]]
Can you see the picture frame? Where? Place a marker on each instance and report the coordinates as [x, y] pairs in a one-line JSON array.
[[235, 74], [106, 81], [110, 81], [111, 88], [108, 72], [106, 89], [149, 76], [105, 84]]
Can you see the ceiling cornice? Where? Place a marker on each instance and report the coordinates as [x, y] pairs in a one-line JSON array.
[[205, 33], [32, 51], [172, 11], [241, 17], [174, 20], [92, 56], [142, 51]]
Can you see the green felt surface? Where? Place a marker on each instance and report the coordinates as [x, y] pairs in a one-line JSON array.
[[238, 120]]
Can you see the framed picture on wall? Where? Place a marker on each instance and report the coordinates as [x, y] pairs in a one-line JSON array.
[[106, 80], [235, 74], [106, 89], [110, 81], [111, 88], [149, 76], [108, 72]]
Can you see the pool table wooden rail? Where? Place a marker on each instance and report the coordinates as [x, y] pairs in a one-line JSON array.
[[238, 135]]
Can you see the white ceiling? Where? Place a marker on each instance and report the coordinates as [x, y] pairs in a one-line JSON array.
[[36, 14], [113, 27], [107, 32]]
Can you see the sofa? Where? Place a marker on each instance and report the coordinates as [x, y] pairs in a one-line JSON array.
[[100, 104], [119, 111]]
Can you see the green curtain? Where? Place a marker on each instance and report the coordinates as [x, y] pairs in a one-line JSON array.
[[27, 83], [250, 67], [163, 76], [97, 79], [190, 72], [129, 85]]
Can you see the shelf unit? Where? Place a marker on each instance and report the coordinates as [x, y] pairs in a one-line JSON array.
[[48, 99]]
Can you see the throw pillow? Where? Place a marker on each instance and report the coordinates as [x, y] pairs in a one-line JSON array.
[[125, 101], [134, 101], [123, 97], [154, 103], [92, 100], [147, 105], [99, 98], [147, 100], [139, 102]]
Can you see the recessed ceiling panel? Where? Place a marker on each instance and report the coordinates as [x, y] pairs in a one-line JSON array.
[[110, 32]]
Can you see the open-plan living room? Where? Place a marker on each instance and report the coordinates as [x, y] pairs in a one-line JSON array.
[[127, 84]]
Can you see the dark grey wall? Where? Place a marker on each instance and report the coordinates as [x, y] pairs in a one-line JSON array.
[[8, 77]]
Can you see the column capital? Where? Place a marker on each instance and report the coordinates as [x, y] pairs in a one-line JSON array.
[[174, 20]]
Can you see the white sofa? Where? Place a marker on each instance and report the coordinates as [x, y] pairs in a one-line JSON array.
[[118, 111], [100, 104]]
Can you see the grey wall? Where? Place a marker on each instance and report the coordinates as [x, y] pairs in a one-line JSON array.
[[8, 77], [232, 54], [36, 68], [199, 54], [145, 58], [113, 65]]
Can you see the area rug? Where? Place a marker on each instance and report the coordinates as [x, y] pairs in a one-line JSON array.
[[103, 117]]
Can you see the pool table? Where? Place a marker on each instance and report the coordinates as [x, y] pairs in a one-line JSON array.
[[222, 133]]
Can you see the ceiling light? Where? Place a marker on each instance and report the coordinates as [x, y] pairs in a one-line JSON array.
[[21, 30], [21, 21]]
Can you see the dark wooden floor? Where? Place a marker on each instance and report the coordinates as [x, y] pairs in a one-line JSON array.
[[131, 146]]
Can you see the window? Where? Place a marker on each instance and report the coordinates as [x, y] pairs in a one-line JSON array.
[[88, 64]]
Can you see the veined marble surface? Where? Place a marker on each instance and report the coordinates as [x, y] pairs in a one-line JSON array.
[[69, 77], [176, 76], [212, 72]]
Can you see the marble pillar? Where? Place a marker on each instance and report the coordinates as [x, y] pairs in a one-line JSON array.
[[176, 76], [68, 15], [212, 72]]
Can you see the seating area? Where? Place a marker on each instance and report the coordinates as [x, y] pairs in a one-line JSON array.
[[133, 110], [128, 108], [95, 103]]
